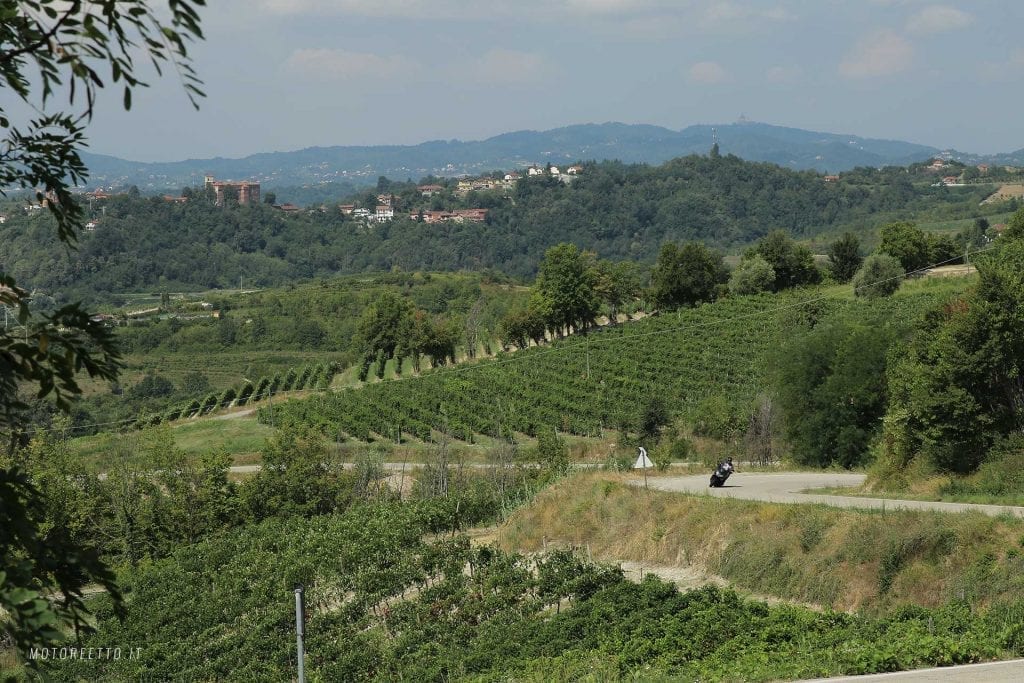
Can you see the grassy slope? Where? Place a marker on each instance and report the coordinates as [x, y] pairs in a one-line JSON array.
[[840, 558]]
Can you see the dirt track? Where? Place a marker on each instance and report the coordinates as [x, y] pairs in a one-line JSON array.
[[786, 488]]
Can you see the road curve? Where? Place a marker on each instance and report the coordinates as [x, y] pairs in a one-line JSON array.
[[786, 487], [991, 672]]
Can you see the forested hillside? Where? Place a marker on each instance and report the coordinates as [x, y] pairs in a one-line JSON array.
[[620, 211]]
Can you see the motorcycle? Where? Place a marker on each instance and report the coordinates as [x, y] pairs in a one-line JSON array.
[[721, 473]]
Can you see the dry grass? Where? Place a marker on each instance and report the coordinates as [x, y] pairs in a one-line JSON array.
[[1005, 192], [844, 559]]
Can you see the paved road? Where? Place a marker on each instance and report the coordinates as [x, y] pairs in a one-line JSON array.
[[786, 488], [993, 672]]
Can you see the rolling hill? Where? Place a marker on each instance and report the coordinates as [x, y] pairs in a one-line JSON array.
[[632, 143]]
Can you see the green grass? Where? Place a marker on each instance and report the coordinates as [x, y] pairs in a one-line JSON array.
[[242, 438]]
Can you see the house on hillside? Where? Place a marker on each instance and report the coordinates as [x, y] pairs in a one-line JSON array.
[[347, 209], [575, 169], [429, 190], [951, 180], [384, 212], [831, 179]]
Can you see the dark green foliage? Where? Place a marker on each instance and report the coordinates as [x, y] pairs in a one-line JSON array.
[[686, 276], [195, 383], [752, 276], [943, 250], [832, 390], [152, 386], [881, 275], [245, 393], [290, 377], [1000, 476], [907, 243], [957, 389], [716, 416], [567, 281], [792, 263], [209, 403], [41, 560], [654, 415], [1015, 226], [227, 398], [844, 258], [618, 211]]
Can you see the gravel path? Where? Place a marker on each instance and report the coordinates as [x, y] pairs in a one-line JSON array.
[[786, 488]]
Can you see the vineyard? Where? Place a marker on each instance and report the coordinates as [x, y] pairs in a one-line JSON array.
[[391, 596], [584, 384], [312, 377]]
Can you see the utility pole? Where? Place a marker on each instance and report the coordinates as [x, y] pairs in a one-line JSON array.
[[300, 631]]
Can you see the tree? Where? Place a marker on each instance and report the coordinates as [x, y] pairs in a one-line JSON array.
[[751, 276], [832, 389], [384, 325], [907, 243], [793, 263], [617, 283], [686, 276], [957, 387], [47, 49], [880, 276], [153, 385], [844, 259], [653, 416], [567, 281], [1015, 226]]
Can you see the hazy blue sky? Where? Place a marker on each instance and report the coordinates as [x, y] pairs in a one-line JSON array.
[[286, 74]]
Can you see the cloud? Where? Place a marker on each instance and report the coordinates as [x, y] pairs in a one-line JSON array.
[[881, 53], [937, 19], [457, 9], [727, 14], [707, 72], [508, 67], [342, 65], [783, 74]]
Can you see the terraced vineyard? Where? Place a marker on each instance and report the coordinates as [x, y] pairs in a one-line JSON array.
[[584, 384]]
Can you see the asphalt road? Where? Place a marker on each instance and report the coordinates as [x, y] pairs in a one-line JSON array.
[[787, 487], [992, 672]]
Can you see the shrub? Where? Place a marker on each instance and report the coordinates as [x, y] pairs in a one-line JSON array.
[[880, 276]]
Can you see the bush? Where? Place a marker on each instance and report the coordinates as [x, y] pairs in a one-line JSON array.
[[880, 276], [715, 417], [751, 276]]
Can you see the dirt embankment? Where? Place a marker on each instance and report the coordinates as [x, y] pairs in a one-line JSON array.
[[845, 559]]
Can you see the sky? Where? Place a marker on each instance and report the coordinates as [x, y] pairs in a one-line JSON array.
[[287, 74]]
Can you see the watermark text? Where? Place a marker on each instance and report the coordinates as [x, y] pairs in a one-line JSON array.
[[85, 653]]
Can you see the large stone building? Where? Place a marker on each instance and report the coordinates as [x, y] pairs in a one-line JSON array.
[[246, 192]]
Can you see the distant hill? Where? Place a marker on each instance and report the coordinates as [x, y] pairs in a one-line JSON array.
[[619, 210], [632, 143]]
